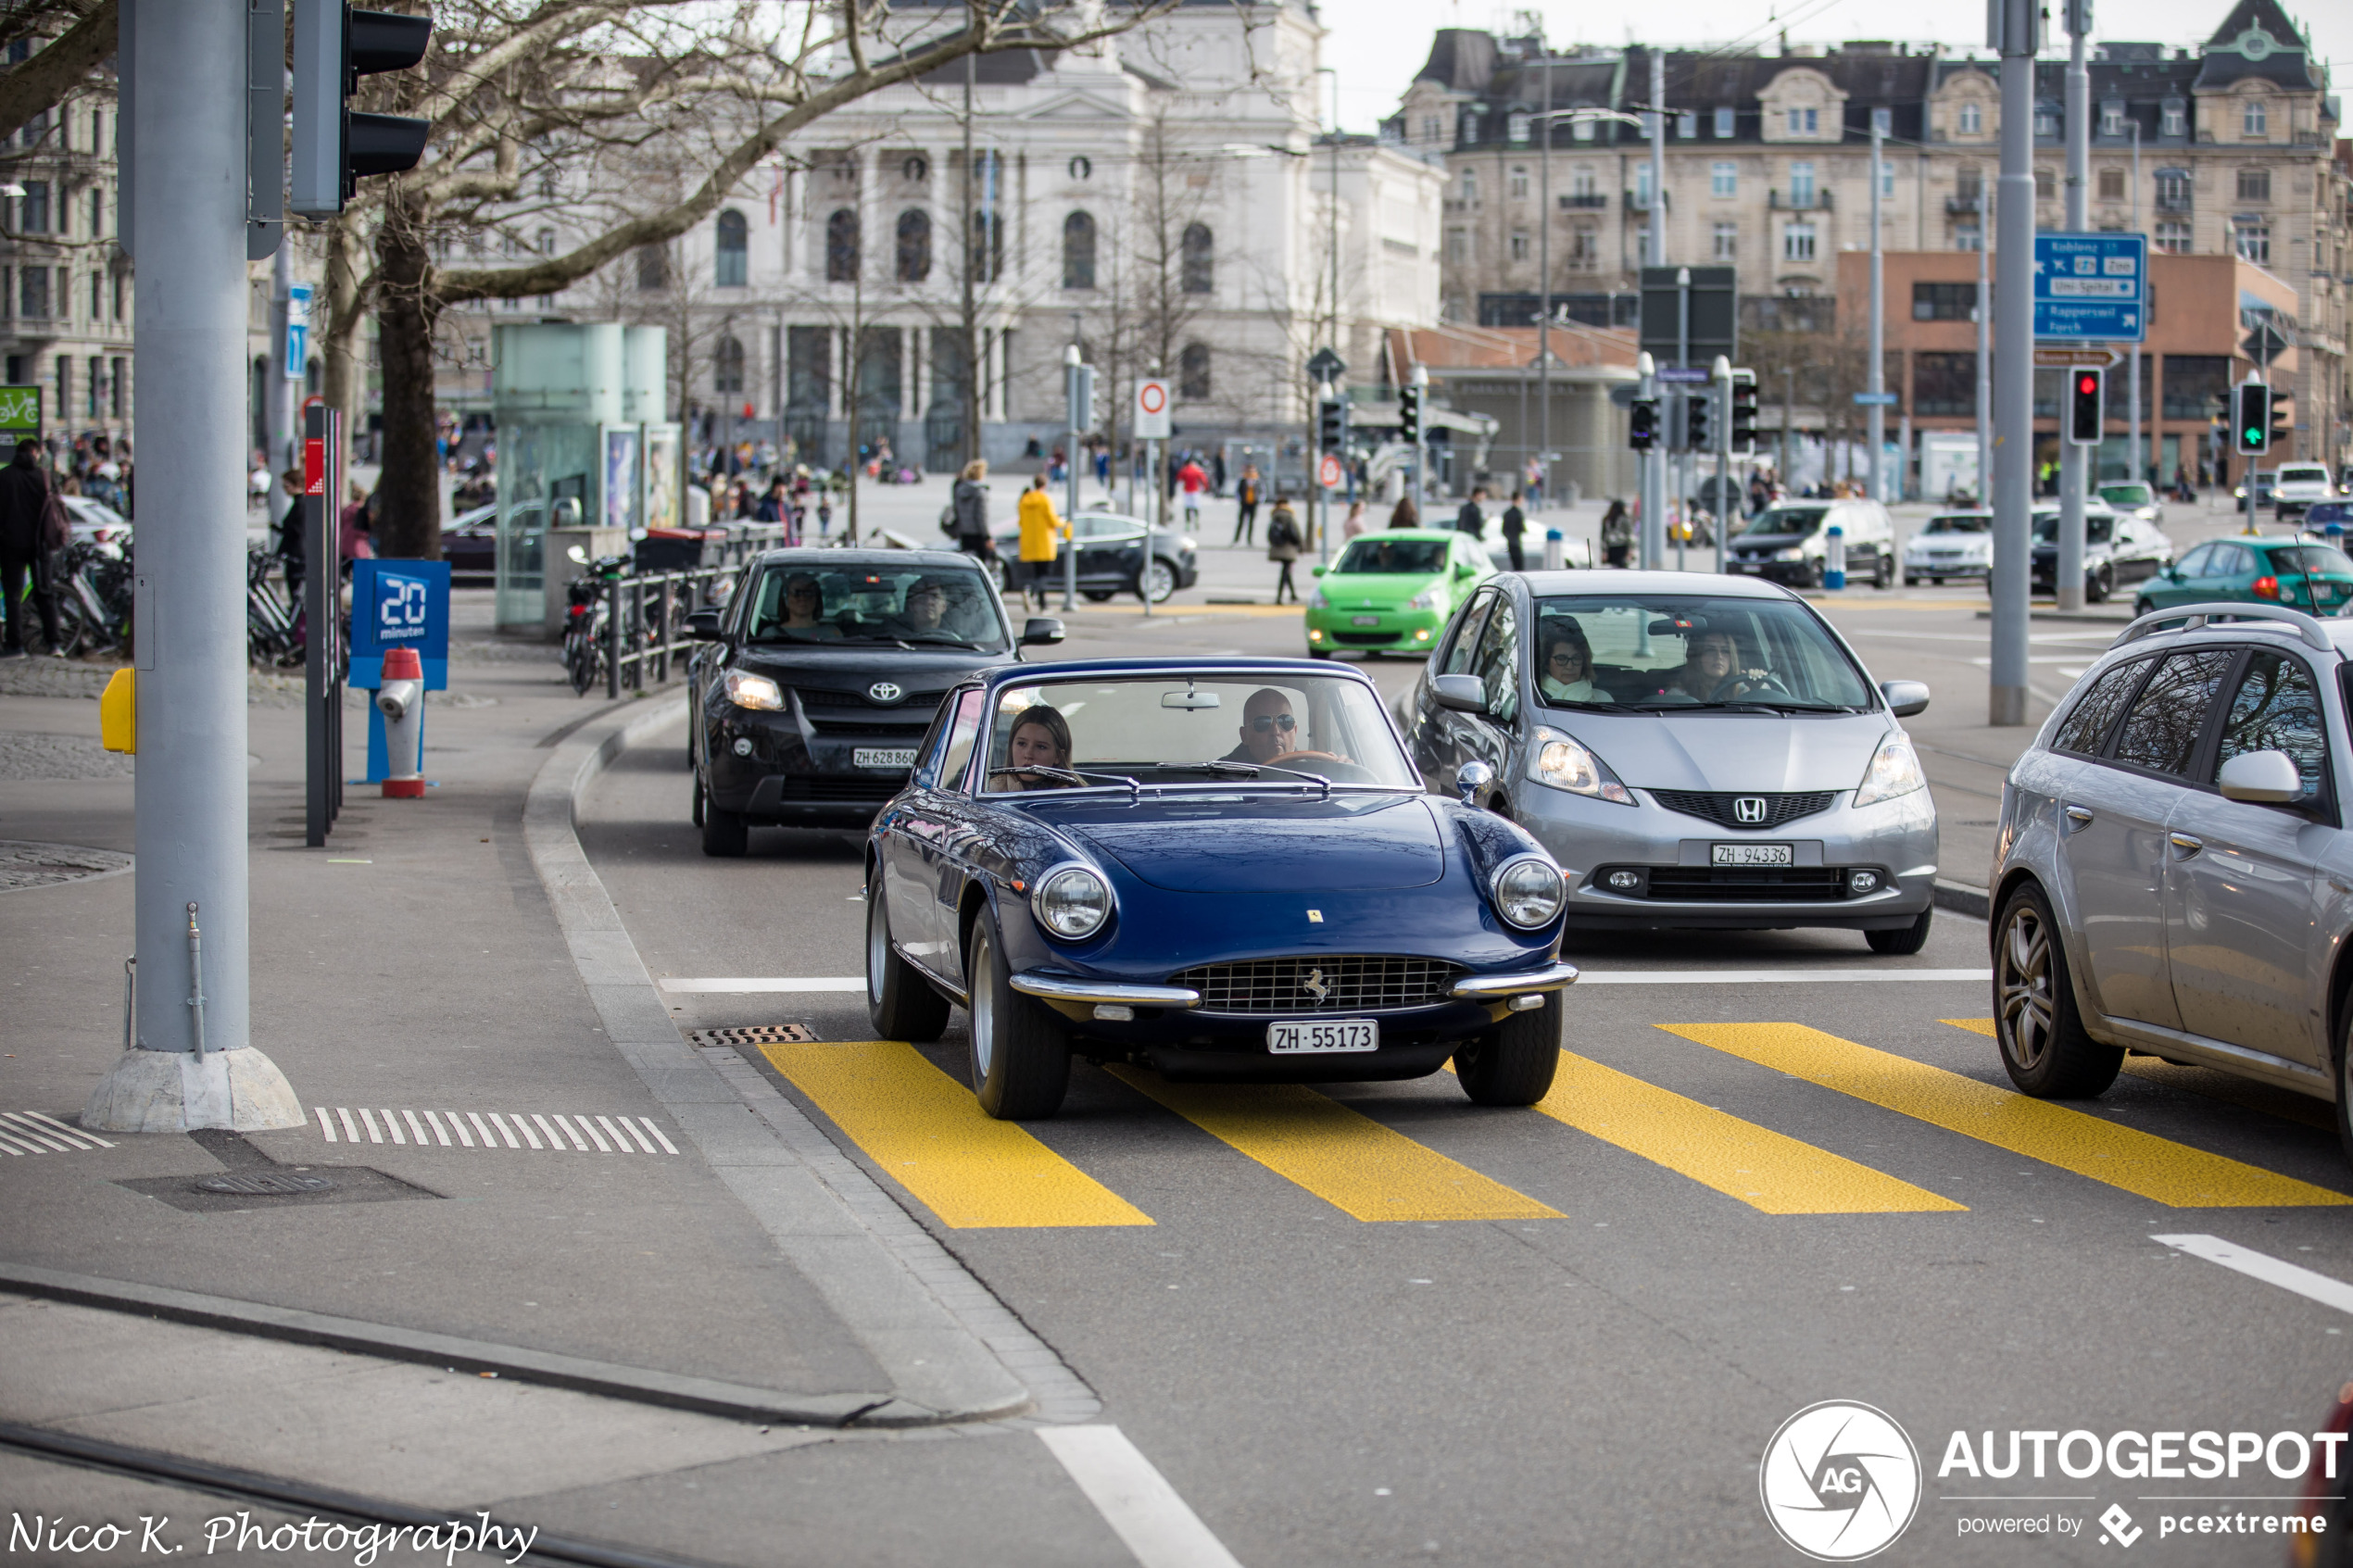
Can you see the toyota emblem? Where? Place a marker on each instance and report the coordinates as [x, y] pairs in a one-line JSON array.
[[889, 691], [1748, 808]]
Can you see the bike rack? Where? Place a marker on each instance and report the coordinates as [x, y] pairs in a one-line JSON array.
[[654, 645]]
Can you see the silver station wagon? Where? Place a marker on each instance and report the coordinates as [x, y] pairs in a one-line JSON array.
[[2171, 875], [1694, 751]]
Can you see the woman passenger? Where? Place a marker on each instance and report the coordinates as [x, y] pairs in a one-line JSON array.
[[1568, 675], [1040, 738]]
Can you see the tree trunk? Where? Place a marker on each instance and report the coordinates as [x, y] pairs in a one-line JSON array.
[[341, 383], [408, 507]]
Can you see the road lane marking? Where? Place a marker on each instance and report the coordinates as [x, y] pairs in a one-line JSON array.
[[727, 987], [1135, 1500], [457, 1121], [2157, 1169], [1352, 1162], [930, 1134], [2271, 1270], [30, 1132], [1762, 1168], [2211, 1081], [746, 986]]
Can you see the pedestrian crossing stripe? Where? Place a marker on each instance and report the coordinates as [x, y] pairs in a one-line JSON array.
[[1766, 1170], [1366, 1171], [544, 1131], [2125, 1157], [2212, 1083], [30, 1132], [930, 1134]]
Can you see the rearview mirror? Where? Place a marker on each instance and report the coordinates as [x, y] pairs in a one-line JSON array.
[[1041, 631], [1904, 697], [1463, 693], [2262, 778], [1317, 571]]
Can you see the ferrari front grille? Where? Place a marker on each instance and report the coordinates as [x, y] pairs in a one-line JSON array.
[[1321, 984]]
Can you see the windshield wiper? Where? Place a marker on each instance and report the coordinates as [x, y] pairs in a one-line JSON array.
[[1082, 779], [1225, 767], [946, 639]]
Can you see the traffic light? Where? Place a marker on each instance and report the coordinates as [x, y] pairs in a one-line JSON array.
[[1699, 408], [2086, 423], [1744, 413], [333, 144], [1331, 424], [1409, 412], [2251, 419], [1641, 427]]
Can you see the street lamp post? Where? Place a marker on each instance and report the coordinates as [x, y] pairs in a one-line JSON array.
[[2132, 396], [2075, 460], [1875, 373], [2016, 35]]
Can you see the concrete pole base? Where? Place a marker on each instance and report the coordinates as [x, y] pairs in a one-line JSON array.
[[173, 1092], [2068, 601], [2005, 706]]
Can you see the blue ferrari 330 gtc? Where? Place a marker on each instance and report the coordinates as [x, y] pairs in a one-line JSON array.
[[1218, 869]]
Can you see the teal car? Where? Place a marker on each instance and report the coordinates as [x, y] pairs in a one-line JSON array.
[[2296, 572], [1393, 591]]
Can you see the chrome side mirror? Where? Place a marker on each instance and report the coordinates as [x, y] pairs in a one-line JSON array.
[[1471, 778], [2262, 778]]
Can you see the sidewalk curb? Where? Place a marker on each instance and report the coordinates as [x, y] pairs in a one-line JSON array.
[[391, 1342], [1962, 899], [951, 1350]]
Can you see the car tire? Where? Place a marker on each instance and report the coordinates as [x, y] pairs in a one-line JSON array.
[[1320, 653], [1904, 940], [2344, 1068], [2044, 1047], [1020, 1051], [1882, 572], [1910, 580], [1095, 596], [2102, 585], [699, 799], [1162, 578], [1514, 1062], [726, 835], [899, 1002]]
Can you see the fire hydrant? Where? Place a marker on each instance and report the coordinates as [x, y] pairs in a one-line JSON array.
[[402, 701]]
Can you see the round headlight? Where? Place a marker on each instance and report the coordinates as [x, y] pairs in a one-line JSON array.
[[1529, 891], [1072, 902]]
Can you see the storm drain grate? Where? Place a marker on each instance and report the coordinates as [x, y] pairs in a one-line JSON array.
[[267, 1184], [754, 1034]]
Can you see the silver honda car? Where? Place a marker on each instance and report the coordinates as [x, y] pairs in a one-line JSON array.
[[1694, 751], [2171, 875]]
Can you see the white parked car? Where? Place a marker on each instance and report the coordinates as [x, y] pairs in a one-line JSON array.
[[2299, 486], [1958, 543]]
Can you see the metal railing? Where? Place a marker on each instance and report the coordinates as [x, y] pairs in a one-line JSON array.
[[636, 642]]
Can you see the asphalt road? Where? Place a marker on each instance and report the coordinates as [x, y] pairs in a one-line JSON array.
[[1378, 1324]]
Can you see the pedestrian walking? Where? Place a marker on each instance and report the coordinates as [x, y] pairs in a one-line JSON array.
[[1246, 503], [293, 549], [1193, 479], [353, 526], [1618, 534], [1354, 522], [1407, 515], [1472, 519], [1515, 525], [32, 523], [1283, 544], [969, 503], [1039, 529]]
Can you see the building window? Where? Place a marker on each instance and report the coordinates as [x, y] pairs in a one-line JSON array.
[[1728, 242], [2173, 189], [1580, 130], [1434, 128], [1470, 185], [121, 295], [1643, 187], [2173, 119], [2046, 126], [97, 299], [2254, 241], [727, 366], [1458, 244], [1585, 251], [1686, 126], [546, 242], [95, 392], [1515, 128], [118, 390], [735, 250], [1192, 372], [1800, 185], [2255, 184], [1944, 382], [1082, 168], [32, 207], [1797, 242], [1723, 125], [914, 168], [1969, 237], [1886, 176], [1078, 251], [1581, 184], [1198, 271], [1972, 120], [841, 247], [97, 213], [1724, 179], [2254, 120], [1519, 185], [2112, 117], [987, 250], [914, 245], [1942, 301], [1519, 245], [2172, 237], [2111, 184], [35, 128], [1805, 122]]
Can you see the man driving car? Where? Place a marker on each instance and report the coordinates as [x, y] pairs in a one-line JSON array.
[[1269, 728]]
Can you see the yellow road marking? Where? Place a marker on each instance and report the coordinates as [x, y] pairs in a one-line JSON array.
[[925, 1129], [1350, 1161], [2212, 1082], [2155, 1168], [1757, 1166]]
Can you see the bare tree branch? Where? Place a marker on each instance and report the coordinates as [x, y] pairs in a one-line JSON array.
[[43, 81]]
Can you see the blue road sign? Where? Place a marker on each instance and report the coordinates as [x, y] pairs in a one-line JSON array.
[[297, 330], [2090, 288], [1883, 399]]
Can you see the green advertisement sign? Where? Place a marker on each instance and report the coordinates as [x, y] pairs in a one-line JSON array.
[[20, 414]]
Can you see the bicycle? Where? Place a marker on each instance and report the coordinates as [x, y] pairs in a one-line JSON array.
[[588, 611]]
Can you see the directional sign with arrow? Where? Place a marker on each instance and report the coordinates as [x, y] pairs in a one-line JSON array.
[[1326, 367]]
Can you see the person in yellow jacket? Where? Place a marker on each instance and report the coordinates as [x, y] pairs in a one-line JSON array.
[[1039, 529]]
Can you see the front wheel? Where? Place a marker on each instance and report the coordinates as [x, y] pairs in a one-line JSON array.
[[1320, 653], [1096, 595], [2044, 1047], [2102, 584], [1160, 579], [1904, 940], [1020, 1054], [900, 1003], [1882, 572], [725, 834], [1514, 1062]]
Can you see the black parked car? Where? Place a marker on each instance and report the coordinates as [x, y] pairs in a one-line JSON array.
[[2119, 548], [1110, 556], [822, 674]]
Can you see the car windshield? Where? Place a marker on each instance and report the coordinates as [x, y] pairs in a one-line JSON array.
[[1394, 558], [2322, 559], [2128, 495], [913, 607], [1660, 651], [1799, 521], [2293, 474], [1959, 522], [2097, 530], [1216, 731]]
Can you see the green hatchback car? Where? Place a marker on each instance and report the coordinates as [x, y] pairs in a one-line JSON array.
[[1393, 591], [2296, 573]]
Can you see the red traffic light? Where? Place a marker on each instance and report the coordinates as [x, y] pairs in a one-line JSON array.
[[2088, 384]]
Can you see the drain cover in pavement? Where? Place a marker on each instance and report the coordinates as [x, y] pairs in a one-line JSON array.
[[756, 1034], [265, 1182]]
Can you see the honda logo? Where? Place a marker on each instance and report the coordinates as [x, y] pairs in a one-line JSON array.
[[1748, 808]]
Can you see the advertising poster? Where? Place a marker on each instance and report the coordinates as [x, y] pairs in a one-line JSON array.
[[621, 476]]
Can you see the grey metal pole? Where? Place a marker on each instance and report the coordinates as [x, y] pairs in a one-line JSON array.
[[2075, 463], [1875, 373], [2014, 392], [289, 375], [1983, 316], [2133, 397], [1720, 388], [1654, 460], [1421, 445], [192, 824], [1654, 474], [1070, 517], [1545, 278]]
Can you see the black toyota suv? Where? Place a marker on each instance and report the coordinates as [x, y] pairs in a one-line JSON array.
[[820, 675]]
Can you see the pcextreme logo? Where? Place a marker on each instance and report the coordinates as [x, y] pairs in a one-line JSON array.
[[1840, 1480]]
